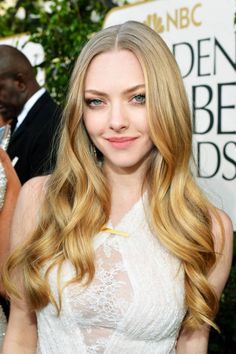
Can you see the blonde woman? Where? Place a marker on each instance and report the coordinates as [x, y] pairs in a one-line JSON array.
[[118, 251]]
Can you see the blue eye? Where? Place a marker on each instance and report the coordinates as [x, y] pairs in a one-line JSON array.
[[140, 99], [93, 102]]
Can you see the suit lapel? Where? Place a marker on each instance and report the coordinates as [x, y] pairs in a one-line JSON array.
[[29, 119]]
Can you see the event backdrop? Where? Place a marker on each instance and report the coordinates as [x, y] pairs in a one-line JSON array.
[[201, 35]]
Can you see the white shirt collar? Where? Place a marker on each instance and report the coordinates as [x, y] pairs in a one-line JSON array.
[[28, 105]]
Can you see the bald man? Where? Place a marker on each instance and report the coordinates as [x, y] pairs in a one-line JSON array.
[[37, 115]]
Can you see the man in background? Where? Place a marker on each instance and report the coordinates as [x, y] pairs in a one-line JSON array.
[[36, 116]]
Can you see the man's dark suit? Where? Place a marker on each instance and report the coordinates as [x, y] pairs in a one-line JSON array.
[[32, 142]]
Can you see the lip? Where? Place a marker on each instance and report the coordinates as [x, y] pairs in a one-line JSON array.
[[120, 139], [121, 142]]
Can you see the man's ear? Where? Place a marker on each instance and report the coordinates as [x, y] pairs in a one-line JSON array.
[[20, 81]]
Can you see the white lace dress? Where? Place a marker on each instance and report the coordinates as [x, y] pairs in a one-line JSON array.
[[134, 305]]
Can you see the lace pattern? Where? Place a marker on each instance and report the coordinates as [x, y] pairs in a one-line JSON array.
[[135, 303]]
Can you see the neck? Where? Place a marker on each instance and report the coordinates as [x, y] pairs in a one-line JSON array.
[[126, 182], [32, 89]]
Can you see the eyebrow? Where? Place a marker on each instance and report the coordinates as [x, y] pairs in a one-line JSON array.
[[8, 75], [129, 90]]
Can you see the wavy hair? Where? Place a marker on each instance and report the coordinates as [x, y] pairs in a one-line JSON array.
[[77, 202]]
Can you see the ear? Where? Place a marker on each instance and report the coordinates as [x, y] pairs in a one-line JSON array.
[[20, 82]]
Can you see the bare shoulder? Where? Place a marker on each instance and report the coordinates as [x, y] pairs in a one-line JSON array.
[[222, 229], [34, 187], [32, 194], [27, 209]]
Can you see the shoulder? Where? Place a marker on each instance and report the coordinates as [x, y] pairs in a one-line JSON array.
[[48, 103], [27, 209], [222, 229], [33, 189], [44, 110]]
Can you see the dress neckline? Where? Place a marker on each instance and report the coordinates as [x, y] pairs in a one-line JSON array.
[[129, 222], [140, 202]]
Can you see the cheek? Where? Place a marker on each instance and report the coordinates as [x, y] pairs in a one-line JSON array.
[[89, 125], [142, 125], [9, 96], [4, 94], [92, 125], [87, 121]]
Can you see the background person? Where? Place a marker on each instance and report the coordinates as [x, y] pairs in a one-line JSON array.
[[120, 252], [38, 116], [12, 190]]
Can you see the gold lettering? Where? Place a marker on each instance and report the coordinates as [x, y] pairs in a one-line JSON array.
[[184, 17], [193, 18], [172, 20], [180, 18]]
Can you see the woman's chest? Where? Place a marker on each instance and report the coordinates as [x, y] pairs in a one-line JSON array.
[[138, 289]]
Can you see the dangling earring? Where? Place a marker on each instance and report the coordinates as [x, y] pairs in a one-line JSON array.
[[96, 155], [94, 152]]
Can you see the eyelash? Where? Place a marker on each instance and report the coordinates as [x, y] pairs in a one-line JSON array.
[[91, 102], [143, 96]]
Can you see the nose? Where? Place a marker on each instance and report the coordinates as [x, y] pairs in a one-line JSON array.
[[118, 117]]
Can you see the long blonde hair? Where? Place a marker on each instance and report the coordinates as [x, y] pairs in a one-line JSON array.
[[77, 202]]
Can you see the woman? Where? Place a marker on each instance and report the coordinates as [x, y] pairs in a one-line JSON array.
[[9, 178], [119, 251]]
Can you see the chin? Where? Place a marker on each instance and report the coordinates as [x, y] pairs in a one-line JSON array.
[[127, 165]]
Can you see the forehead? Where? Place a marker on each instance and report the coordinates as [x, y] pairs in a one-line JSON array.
[[113, 68], [6, 67], [6, 73]]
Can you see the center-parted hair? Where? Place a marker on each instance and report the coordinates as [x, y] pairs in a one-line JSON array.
[[77, 198]]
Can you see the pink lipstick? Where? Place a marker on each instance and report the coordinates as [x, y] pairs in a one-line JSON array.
[[121, 142]]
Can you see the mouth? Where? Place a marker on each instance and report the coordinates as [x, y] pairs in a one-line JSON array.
[[121, 142]]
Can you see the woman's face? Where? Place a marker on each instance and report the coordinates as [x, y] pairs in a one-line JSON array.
[[115, 110]]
